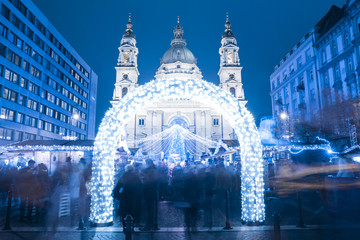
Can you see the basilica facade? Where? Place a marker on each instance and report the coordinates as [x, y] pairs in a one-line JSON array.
[[178, 62]]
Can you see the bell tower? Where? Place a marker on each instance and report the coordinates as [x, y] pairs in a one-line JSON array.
[[230, 69], [126, 70]]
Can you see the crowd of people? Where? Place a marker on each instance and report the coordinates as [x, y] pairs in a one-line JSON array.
[[138, 189], [39, 193], [192, 188]]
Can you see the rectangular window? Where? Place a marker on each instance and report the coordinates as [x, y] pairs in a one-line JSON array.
[[35, 72], [20, 118], [27, 49], [18, 136], [6, 134], [11, 76], [32, 104], [141, 122], [215, 121], [31, 17], [38, 41], [9, 95], [14, 58], [3, 30], [7, 114], [26, 66], [299, 62], [18, 23], [29, 33], [30, 121], [33, 88], [22, 100], [23, 82], [5, 12], [37, 57]]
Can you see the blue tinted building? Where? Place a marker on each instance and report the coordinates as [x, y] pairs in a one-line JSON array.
[[47, 91]]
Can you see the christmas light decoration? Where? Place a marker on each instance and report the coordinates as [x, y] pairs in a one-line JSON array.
[[10, 148], [111, 136], [177, 140]]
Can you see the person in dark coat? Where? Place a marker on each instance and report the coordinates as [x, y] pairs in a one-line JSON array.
[[43, 192], [127, 191], [26, 186], [191, 193], [150, 188]]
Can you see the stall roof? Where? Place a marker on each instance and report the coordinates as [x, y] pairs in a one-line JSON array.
[[49, 145]]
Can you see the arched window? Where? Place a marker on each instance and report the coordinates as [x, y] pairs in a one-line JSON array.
[[124, 91], [233, 92]]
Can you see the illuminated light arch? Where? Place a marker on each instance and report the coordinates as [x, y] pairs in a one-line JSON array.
[[111, 136]]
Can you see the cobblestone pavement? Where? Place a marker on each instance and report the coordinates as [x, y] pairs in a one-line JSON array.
[[291, 234]]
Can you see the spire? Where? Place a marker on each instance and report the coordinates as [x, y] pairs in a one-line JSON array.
[[129, 31], [178, 34], [228, 32]]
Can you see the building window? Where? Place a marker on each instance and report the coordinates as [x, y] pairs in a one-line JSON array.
[[308, 54], [20, 118], [26, 66], [30, 121], [326, 79], [232, 91], [334, 48], [337, 71], [124, 91], [22, 100], [32, 104], [215, 121], [23, 82], [18, 136], [37, 57], [349, 64], [9, 95], [141, 122], [291, 68], [5, 12], [6, 134], [14, 58], [299, 62], [3, 31], [33, 88], [323, 56], [7, 114], [346, 39], [35, 72]]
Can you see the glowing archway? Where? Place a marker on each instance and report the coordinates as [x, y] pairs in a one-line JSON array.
[[111, 132]]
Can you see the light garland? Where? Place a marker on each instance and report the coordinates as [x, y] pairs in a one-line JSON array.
[[111, 135], [163, 142], [4, 149]]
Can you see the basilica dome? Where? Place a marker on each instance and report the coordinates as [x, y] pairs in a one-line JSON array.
[[178, 52]]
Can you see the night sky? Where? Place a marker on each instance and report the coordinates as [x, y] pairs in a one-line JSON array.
[[265, 31]]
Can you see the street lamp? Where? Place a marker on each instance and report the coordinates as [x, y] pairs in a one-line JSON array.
[[284, 116], [285, 121]]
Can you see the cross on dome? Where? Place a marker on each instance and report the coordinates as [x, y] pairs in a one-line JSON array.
[[228, 32]]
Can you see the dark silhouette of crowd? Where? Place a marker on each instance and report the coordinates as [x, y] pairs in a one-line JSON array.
[[194, 188]]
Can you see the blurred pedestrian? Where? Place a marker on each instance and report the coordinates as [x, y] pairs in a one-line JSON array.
[[150, 188], [127, 191], [26, 186]]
